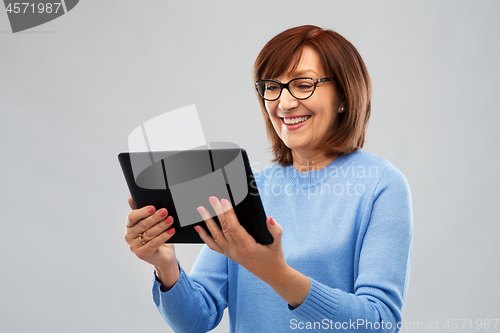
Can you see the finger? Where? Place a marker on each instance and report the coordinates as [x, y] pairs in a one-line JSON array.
[[147, 222], [217, 234], [131, 202], [217, 206], [237, 233], [154, 244], [138, 214], [208, 240], [276, 231], [156, 230]]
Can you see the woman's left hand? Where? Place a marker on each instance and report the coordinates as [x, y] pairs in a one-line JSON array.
[[267, 262], [235, 242]]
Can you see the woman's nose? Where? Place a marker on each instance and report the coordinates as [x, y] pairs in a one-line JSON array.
[[287, 101]]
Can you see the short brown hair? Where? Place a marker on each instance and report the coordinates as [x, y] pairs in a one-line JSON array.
[[341, 61]]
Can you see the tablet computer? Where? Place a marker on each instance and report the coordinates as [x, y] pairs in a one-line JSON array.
[[181, 181]]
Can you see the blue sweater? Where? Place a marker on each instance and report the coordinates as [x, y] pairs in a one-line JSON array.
[[348, 227]]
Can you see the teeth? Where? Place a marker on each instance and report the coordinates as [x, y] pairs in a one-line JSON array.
[[294, 121]]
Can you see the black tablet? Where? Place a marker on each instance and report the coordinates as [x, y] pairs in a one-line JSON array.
[[181, 181]]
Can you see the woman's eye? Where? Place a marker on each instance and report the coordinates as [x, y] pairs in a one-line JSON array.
[[271, 88]]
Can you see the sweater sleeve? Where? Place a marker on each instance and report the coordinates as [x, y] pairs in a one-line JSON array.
[[197, 301], [382, 267]]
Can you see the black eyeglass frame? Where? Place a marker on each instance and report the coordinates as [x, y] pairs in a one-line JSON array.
[[287, 85]]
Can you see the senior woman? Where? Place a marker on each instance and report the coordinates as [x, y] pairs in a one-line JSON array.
[[342, 248]]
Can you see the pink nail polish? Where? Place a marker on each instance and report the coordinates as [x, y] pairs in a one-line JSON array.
[[213, 201], [271, 221], [196, 228], [151, 210], [200, 210], [224, 203], [163, 212], [169, 219], [170, 231]]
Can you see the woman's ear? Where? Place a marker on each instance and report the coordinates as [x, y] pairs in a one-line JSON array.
[[342, 104], [341, 107]]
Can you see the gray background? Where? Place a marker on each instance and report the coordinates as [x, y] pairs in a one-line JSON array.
[[73, 89]]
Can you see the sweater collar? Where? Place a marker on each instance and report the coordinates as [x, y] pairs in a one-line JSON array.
[[315, 177]]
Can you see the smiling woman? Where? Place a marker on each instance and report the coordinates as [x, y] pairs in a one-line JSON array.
[[342, 248], [308, 51], [303, 124]]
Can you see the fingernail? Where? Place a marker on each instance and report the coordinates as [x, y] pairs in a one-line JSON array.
[[213, 201], [196, 228], [224, 203], [271, 221], [170, 231], [151, 210], [163, 212], [200, 210], [169, 219]]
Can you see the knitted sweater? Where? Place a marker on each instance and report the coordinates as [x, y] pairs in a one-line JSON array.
[[348, 227]]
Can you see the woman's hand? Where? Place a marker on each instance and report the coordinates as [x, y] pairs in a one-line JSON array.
[[234, 241], [147, 230], [267, 262]]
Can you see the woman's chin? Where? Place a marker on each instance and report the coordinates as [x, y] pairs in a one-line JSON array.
[[297, 147]]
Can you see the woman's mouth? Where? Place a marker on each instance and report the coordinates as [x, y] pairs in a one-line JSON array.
[[292, 123]]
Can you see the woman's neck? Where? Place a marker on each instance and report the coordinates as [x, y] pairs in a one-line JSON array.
[[311, 161]]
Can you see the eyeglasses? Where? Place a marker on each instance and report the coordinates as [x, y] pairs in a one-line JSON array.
[[299, 88]]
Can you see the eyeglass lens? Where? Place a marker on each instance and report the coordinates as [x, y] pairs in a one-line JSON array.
[[299, 88]]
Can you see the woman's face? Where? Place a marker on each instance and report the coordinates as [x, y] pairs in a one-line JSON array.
[[320, 109]]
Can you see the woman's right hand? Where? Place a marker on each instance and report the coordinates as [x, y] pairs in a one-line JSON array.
[[147, 230]]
